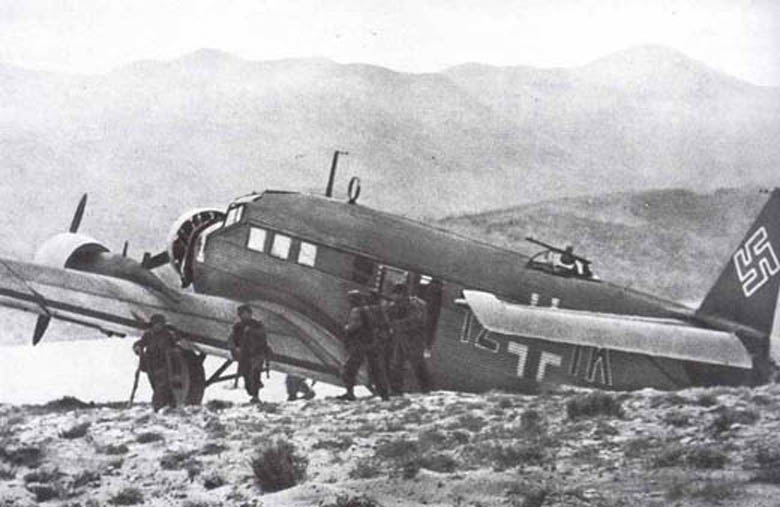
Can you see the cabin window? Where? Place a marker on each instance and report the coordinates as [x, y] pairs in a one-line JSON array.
[[234, 215], [281, 246], [307, 255], [256, 240]]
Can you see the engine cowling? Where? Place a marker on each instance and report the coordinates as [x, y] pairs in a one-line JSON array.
[[82, 253], [183, 239]]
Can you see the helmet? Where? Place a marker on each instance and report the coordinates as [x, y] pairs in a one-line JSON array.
[[244, 308], [157, 318]]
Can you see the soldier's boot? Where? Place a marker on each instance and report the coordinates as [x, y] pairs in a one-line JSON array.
[[348, 396]]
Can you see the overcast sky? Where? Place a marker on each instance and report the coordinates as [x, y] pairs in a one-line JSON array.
[[740, 37]]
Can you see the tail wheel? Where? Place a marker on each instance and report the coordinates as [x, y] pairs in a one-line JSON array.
[[188, 378]]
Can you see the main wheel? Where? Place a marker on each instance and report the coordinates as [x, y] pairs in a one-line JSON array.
[[188, 378]]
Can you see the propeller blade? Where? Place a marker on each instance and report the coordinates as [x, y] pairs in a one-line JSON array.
[[76, 222], [152, 262], [124, 249], [40, 328]]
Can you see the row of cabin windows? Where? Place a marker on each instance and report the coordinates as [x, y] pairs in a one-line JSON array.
[[280, 246]]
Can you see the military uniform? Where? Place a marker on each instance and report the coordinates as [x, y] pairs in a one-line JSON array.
[[366, 332], [155, 348], [409, 320], [250, 346]]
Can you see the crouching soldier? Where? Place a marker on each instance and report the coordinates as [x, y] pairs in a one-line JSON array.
[[155, 349], [409, 319], [364, 340], [249, 346]]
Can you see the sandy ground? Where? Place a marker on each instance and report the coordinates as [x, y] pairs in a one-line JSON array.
[[694, 447]]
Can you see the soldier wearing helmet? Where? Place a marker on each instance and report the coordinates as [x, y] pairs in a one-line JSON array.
[[249, 345], [409, 319], [155, 349]]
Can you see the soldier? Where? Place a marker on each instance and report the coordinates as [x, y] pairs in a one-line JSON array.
[[249, 346], [365, 331], [409, 319], [295, 385], [154, 350]]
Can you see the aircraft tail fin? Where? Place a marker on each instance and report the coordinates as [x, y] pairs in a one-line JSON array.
[[746, 291]]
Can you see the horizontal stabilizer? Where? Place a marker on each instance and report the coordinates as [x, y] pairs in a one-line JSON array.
[[639, 335]]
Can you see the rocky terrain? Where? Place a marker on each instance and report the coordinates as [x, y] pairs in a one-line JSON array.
[[565, 447]]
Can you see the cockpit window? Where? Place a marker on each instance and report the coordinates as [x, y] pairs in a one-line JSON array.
[[256, 239], [234, 215], [281, 246]]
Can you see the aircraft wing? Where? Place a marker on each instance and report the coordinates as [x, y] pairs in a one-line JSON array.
[[640, 335], [119, 307]]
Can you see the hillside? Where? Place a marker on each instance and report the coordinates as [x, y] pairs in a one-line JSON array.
[[564, 448], [672, 243], [154, 138]]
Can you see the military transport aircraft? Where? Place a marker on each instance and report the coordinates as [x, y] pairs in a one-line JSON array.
[[499, 319]]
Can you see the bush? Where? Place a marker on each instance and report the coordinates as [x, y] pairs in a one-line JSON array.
[[7, 473], [669, 456], [127, 496], [45, 492], [337, 445], [77, 431], [705, 457], [395, 449], [86, 477], [353, 501], [26, 455], [217, 405], [278, 466], [114, 450], [439, 462], [176, 460], [707, 400], [502, 457], [149, 436], [212, 448], [677, 419], [768, 459], [43, 475], [67, 403], [470, 422], [729, 416], [365, 468], [532, 422], [594, 404], [213, 480]]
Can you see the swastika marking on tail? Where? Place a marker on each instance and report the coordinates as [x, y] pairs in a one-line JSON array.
[[755, 262]]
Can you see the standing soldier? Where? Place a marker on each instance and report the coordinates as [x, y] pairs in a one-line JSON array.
[[154, 350], [409, 319], [249, 345], [364, 341]]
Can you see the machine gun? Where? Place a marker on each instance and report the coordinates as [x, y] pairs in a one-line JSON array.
[[586, 272]]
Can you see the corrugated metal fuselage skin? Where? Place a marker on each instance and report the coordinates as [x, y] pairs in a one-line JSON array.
[[464, 357]]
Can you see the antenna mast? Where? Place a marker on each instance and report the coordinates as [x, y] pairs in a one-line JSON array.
[[329, 189]]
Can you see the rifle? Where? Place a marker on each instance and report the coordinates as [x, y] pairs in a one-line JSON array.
[[135, 383]]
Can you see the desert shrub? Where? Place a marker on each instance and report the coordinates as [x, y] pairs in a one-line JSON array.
[[213, 480], [353, 501], [217, 405], [395, 449], [45, 492], [713, 492], [393, 427], [342, 444], [594, 404], [127, 496], [175, 460], [278, 465], [533, 422], [768, 459], [212, 448], [469, 422], [7, 473], [43, 475], [502, 457], [76, 431], [432, 438], [365, 468], [84, 478], [26, 455], [438, 462], [536, 497], [149, 436], [268, 407], [677, 419], [215, 428], [638, 447], [669, 399], [669, 456], [114, 450], [707, 400], [728, 416], [705, 457]]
